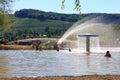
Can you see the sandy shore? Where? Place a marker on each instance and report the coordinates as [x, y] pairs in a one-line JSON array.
[[88, 77], [15, 47], [23, 47]]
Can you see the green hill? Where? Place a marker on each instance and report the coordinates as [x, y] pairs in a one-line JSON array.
[[33, 27], [34, 23]]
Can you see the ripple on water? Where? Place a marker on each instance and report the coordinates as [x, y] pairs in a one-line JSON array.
[[52, 63]]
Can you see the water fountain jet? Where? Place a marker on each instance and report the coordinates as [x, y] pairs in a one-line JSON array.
[[99, 25]]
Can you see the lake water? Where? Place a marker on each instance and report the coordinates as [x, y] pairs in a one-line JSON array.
[[28, 63]]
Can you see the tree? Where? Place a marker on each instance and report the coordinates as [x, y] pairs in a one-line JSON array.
[[4, 11], [76, 8]]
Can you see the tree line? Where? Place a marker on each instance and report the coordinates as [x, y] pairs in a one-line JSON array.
[[42, 16], [28, 23]]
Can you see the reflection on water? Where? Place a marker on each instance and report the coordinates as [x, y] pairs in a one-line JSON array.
[[17, 63]]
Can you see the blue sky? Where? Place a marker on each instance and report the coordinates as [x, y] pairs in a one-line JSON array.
[[87, 6]]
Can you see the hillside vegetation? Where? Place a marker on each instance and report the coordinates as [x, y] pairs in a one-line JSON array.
[[34, 23]]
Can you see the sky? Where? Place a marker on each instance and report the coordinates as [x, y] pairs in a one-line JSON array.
[[87, 6]]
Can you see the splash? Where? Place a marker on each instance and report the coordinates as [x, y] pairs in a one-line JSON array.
[[97, 25]]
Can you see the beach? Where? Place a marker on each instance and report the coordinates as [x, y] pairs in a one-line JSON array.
[[84, 77]]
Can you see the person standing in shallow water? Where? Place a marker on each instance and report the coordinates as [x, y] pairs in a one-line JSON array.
[[38, 44], [108, 54]]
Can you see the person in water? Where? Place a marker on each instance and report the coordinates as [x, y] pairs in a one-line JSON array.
[[107, 54], [58, 49], [69, 50]]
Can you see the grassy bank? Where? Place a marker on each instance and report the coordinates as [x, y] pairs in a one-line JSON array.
[[88, 77]]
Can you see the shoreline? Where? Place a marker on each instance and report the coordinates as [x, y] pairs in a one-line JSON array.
[[23, 47], [15, 47], [84, 77]]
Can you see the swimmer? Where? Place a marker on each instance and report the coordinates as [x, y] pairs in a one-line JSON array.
[[69, 50], [108, 54], [57, 49]]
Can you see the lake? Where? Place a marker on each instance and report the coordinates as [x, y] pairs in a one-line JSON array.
[[28, 63]]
